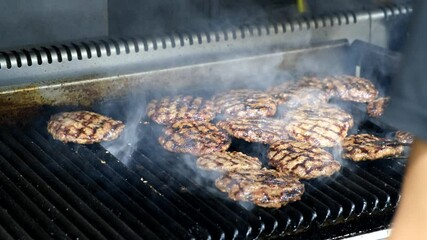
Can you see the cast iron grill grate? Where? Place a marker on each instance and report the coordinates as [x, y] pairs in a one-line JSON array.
[[54, 190]]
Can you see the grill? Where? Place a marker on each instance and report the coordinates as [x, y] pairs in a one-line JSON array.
[[55, 190]]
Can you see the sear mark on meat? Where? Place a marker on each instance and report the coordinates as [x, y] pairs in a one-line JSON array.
[[245, 103], [302, 160], [351, 88], [265, 188], [376, 107], [228, 161], [361, 147], [83, 127], [263, 130], [327, 111], [318, 131], [404, 137], [295, 94], [171, 109], [194, 137]]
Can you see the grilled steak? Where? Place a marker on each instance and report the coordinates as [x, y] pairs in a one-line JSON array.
[[83, 127], [404, 137], [263, 130], [265, 188], [376, 107], [194, 137], [320, 131], [302, 160], [351, 88], [169, 110], [228, 161], [326, 111], [245, 103], [360, 147]]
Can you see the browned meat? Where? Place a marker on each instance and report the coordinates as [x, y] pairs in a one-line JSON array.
[[320, 131], [360, 147], [194, 137], [245, 103], [327, 111], [228, 161], [302, 159], [265, 188], [169, 110], [263, 130], [404, 137], [351, 88], [307, 91], [83, 127], [376, 107]]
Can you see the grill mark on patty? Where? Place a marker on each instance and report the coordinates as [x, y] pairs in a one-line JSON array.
[[194, 137], [168, 110], [302, 159]]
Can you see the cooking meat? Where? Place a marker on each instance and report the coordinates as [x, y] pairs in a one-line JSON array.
[[83, 127], [318, 131], [228, 161], [265, 188], [263, 130], [404, 137], [302, 159], [351, 88], [327, 111], [171, 109], [361, 147], [245, 103], [304, 92], [376, 107], [194, 137]]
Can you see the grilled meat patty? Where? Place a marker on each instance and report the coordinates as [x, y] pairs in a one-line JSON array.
[[326, 111], [245, 103], [228, 161], [351, 88], [263, 130], [265, 188], [376, 107], [404, 137], [83, 127], [302, 159], [194, 137], [360, 147], [295, 94], [320, 131], [171, 109]]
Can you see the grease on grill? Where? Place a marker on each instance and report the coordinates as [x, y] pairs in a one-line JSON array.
[[361, 147], [194, 137], [245, 103], [228, 161], [171, 109], [302, 160], [263, 130], [83, 127], [263, 187]]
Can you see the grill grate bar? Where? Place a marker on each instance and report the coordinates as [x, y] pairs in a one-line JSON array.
[[335, 209], [80, 189], [30, 224], [11, 226], [49, 208], [219, 210], [4, 234]]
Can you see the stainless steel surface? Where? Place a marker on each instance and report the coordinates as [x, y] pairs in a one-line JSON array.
[[103, 58], [39, 22]]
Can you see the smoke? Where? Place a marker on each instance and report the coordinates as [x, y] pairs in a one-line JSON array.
[[132, 112]]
